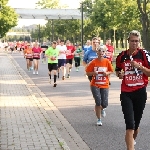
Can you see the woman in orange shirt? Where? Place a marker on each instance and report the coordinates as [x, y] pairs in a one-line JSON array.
[[100, 69], [29, 57]]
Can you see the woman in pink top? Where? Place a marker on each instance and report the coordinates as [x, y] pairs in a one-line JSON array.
[[36, 56]]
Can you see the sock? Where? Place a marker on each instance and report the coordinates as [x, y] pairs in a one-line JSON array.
[[55, 79]]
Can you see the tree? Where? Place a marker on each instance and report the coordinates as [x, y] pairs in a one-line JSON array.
[[49, 4], [8, 18], [144, 6]]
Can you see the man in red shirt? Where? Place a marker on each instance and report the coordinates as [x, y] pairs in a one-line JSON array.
[[132, 67], [110, 50], [69, 57]]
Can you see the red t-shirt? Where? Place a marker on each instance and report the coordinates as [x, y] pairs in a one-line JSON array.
[[109, 53], [36, 52], [109, 56], [70, 52], [134, 79], [110, 48]]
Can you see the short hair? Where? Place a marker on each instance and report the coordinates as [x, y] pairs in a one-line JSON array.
[[61, 40], [134, 33], [54, 42], [94, 38], [101, 48]]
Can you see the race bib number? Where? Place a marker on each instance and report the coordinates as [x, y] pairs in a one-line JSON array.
[[100, 78], [134, 79], [29, 56], [36, 55]]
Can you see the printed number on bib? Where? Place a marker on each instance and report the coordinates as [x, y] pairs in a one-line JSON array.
[[134, 79], [100, 78], [36, 55]]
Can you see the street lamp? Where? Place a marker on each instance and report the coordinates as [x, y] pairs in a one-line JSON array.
[[83, 5], [82, 24]]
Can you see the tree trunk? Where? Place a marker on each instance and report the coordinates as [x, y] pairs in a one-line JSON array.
[[145, 23], [122, 44]]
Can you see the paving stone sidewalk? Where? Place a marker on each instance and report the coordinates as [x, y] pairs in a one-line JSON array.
[[24, 124]]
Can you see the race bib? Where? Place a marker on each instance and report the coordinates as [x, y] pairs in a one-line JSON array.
[[29, 56], [36, 55], [134, 79], [100, 78]]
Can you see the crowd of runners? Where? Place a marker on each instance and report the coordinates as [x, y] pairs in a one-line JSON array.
[[132, 67]]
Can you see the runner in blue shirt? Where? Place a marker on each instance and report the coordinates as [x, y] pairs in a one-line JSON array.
[[91, 54]]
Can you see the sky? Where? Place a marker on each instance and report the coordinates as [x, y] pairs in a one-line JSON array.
[[72, 4]]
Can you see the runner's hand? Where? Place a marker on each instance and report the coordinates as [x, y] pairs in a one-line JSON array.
[[121, 75], [134, 64], [105, 73]]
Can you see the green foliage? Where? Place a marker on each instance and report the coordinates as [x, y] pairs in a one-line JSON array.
[[8, 18], [49, 4], [103, 17]]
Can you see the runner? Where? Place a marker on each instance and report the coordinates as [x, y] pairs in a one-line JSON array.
[[44, 47], [36, 56], [110, 50], [12, 47], [77, 56], [135, 63], [52, 55], [91, 54], [87, 46], [109, 53], [100, 69], [69, 55], [19, 46], [29, 56], [62, 58]]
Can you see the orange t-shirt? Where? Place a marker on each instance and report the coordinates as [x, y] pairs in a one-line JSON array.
[[100, 66], [28, 51]]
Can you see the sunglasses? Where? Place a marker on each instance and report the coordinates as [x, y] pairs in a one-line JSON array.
[[136, 41]]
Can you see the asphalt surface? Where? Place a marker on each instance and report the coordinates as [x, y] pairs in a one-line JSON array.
[[73, 99]]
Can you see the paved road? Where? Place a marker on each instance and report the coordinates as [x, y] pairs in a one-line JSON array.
[[73, 99]]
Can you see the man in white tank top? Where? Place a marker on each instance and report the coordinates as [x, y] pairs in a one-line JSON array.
[[62, 59]]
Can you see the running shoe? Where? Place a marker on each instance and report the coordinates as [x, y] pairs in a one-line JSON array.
[[77, 69], [103, 113], [54, 85], [33, 72], [99, 122], [68, 76], [63, 77], [37, 72], [134, 142]]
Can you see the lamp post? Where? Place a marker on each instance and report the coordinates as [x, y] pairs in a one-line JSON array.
[[39, 34], [82, 32]]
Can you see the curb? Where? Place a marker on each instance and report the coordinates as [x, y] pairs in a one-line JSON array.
[[62, 125], [23, 75]]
